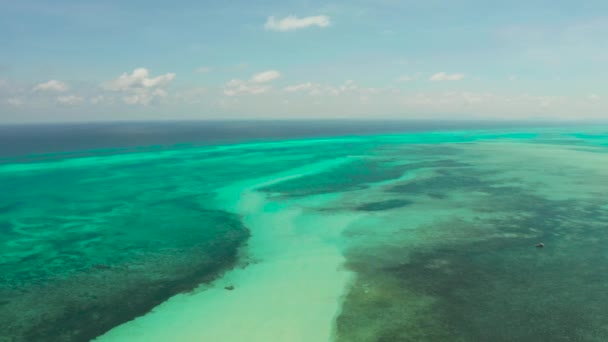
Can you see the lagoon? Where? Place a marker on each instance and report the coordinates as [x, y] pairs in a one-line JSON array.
[[424, 234]]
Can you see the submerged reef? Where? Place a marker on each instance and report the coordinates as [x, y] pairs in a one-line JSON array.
[[89, 302], [433, 233], [462, 266]]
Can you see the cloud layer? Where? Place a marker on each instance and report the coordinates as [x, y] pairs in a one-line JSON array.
[[52, 86], [258, 83], [261, 96], [442, 76], [265, 76], [138, 87], [291, 23]]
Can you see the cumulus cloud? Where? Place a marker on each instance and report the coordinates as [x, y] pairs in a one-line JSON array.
[[348, 87], [139, 87], [234, 87], [69, 99], [203, 70], [265, 76], [294, 23], [144, 97], [52, 85], [314, 89], [442, 76], [138, 79], [350, 99], [258, 83]]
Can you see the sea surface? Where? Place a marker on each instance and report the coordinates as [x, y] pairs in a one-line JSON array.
[[303, 231]]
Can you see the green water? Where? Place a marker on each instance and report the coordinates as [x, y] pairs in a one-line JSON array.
[[442, 248]]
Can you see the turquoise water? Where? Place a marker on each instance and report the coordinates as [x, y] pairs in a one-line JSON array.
[[439, 240]]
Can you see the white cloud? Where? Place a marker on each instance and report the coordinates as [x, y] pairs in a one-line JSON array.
[[234, 87], [138, 79], [442, 76], [139, 87], [299, 87], [52, 85], [69, 99], [294, 23], [144, 97], [316, 89], [349, 100], [265, 76], [204, 70], [348, 87], [258, 83], [15, 101], [262, 95]]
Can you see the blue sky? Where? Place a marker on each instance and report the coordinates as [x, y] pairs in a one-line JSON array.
[[69, 60]]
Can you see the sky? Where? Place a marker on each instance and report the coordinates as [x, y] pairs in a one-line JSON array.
[[84, 60]]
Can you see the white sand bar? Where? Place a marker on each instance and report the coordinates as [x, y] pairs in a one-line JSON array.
[[292, 292]]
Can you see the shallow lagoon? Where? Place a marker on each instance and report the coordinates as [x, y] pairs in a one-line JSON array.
[[402, 237]]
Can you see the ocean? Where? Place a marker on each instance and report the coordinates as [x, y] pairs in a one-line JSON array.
[[303, 231]]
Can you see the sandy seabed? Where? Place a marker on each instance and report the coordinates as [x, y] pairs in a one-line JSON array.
[[291, 289]]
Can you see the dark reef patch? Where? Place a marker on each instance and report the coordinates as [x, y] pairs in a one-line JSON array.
[[92, 301], [356, 175], [383, 205], [441, 183], [435, 150], [7, 208], [352, 176], [481, 279]]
